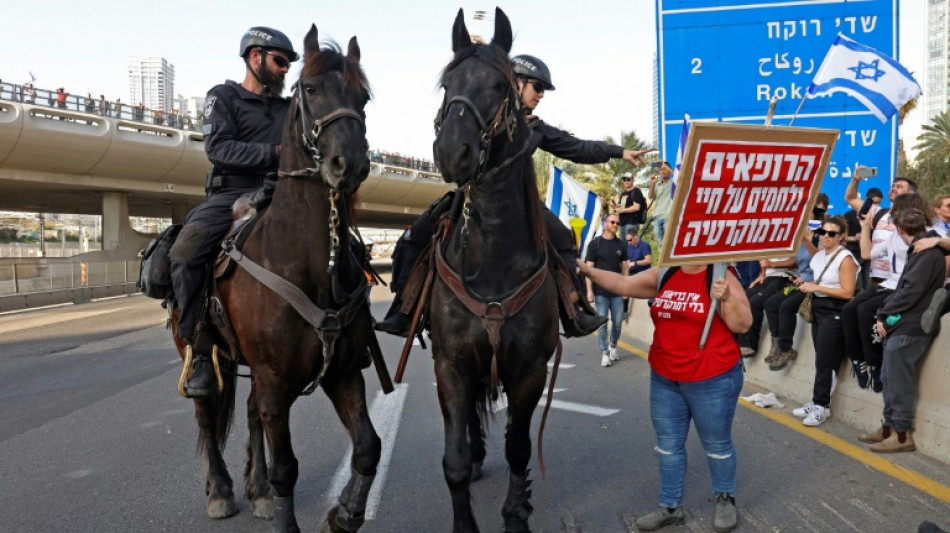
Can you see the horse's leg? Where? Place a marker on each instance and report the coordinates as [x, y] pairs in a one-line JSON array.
[[219, 495], [348, 394], [456, 398], [274, 403], [476, 438], [523, 397], [256, 486]]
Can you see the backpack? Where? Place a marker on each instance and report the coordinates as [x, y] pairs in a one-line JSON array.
[[667, 272], [155, 272]]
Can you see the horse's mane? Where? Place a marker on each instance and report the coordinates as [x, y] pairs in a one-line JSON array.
[[497, 58], [330, 58]]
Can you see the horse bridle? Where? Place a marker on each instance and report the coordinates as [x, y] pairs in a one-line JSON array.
[[311, 132], [487, 131]]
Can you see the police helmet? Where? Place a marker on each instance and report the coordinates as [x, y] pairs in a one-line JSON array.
[[267, 38], [532, 67]]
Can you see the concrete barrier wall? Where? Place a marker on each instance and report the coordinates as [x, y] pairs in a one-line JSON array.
[[850, 404]]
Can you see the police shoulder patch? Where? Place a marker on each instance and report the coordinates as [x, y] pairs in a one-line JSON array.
[[209, 105]]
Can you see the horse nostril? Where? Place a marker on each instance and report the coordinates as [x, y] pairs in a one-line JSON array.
[[338, 164]]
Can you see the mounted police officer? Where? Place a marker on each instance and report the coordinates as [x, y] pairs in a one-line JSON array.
[[243, 126], [534, 79]]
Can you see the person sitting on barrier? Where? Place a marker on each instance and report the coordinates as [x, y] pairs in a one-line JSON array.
[[577, 318], [781, 309], [243, 127], [905, 342], [836, 273], [775, 277]]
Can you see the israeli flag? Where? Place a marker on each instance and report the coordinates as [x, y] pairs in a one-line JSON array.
[[875, 79], [684, 135], [569, 199]]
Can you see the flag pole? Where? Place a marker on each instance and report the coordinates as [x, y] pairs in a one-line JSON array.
[[800, 104], [719, 272]]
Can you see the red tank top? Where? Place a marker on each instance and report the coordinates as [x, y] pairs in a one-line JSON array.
[[679, 316]]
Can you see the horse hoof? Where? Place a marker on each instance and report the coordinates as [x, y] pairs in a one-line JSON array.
[[476, 471], [331, 523], [222, 508], [263, 508]]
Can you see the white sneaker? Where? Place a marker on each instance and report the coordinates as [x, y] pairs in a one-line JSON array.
[[817, 417], [613, 354], [605, 360], [804, 410]]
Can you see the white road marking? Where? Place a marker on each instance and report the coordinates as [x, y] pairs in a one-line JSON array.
[[385, 412], [562, 366], [502, 403], [38, 321]]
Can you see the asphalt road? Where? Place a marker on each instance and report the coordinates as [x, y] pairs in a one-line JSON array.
[[94, 437]]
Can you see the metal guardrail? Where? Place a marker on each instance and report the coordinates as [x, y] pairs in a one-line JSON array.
[[38, 283]]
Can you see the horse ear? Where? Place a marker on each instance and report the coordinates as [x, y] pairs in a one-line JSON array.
[[502, 35], [353, 50], [460, 37], [311, 44]]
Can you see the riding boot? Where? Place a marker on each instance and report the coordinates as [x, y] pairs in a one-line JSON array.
[[585, 319], [203, 381], [396, 322]]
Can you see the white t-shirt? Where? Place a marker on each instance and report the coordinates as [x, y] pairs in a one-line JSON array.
[[894, 251], [832, 277], [881, 267]]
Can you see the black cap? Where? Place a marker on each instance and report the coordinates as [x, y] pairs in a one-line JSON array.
[[874, 192], [267, 38], [532, 67]]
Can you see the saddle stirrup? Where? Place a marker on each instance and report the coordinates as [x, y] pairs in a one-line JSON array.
[[186, 366]]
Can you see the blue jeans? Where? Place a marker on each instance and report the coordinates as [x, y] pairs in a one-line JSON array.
[[659, 230], [711, 404], [613, 304]]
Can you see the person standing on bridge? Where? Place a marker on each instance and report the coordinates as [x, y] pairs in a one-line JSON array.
[[534, 79], [243, 125]]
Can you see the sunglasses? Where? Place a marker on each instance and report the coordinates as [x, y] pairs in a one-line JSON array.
[[537, 84], [628, 179], [613, 222], [822, 232], [280, 61], [629, 240]]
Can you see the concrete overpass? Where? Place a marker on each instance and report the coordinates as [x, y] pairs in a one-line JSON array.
[[67, 161]]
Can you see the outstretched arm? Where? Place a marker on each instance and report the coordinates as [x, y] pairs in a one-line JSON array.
[[640, 285]]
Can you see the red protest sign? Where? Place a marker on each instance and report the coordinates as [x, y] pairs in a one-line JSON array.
[[744, 192]]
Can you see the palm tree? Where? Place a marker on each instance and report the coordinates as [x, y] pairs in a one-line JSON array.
[[933, 158]]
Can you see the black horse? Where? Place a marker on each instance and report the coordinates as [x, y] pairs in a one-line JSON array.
[[301, 238], [493, 309]]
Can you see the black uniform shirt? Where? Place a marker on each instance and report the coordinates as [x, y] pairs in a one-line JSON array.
[[566, 146], [242, 130]]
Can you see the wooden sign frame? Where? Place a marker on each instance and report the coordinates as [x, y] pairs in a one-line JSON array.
[[707, 134]]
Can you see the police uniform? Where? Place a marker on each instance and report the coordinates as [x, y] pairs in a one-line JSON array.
[[544, 136], [242, 131]]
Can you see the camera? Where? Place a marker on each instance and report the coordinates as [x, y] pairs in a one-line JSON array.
[[863, 173]]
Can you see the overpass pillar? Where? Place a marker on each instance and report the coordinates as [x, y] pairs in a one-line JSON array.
[[115, 220]]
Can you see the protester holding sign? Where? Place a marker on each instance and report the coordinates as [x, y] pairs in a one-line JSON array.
[[689, 383], [836, 273]]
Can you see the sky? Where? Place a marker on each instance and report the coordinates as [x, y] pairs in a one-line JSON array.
[[600, 53]]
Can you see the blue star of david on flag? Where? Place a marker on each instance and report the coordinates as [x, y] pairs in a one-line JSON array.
[[859, 71], [571, 208], [874, 78], [568, 199]]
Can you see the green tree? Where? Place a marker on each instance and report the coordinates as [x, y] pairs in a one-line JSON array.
[[932, 166]]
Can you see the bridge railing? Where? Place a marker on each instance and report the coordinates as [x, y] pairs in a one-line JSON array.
[[45, 282]]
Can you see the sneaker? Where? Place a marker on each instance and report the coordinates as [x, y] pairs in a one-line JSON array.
[[859, 369], [876, 384], [817, 417], [783, 359], [774, 352], [930, 321], [803, 411], [605, 360], [746, 351], [662, 517], [727, 518], [893, 444], [613, 354]]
